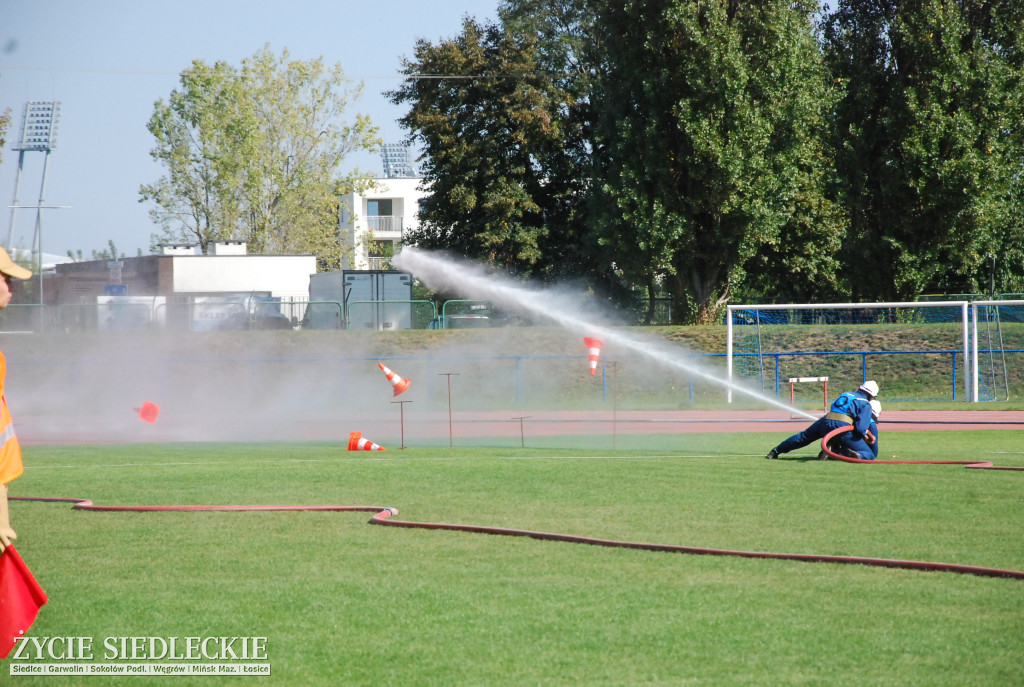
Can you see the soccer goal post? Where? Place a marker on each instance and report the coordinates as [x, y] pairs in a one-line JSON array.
[[997, 346], [915, 350]]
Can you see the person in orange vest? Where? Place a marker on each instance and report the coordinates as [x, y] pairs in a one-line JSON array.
[[10, 449]]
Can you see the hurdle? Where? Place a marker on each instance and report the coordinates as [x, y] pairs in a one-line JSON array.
[[793, 381]]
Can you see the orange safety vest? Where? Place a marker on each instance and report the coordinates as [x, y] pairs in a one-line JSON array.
[[10, 449]]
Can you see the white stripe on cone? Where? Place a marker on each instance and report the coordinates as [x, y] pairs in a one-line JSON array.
[[356, 442]]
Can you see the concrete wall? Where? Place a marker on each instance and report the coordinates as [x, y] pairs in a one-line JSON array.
[[283, 276]]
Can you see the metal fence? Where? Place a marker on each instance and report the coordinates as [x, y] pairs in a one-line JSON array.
[[198, 316]]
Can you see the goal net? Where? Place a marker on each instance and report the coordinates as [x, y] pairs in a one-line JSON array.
[[915, 350], [997, 343]]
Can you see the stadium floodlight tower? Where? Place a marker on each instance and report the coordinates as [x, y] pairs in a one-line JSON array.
[[38, 134], [397, 159]]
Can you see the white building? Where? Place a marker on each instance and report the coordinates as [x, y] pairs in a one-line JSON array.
[[230, 269], [373, 223], [228, 288]]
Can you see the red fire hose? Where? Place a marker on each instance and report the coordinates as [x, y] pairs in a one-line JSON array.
[[975, 464], [384, 516]]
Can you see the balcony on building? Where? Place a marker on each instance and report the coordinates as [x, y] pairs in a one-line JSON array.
[[385, 226]]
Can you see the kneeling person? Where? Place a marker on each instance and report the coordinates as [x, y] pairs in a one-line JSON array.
[[850, 408]]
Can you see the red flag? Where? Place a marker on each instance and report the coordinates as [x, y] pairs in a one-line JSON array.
[[21, 597]]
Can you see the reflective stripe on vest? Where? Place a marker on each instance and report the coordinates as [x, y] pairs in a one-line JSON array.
[[7, 434]]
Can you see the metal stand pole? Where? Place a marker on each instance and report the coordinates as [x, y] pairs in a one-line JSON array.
[[522, 436], [451, 440], [14, 205], [401, 409], [615, 421]]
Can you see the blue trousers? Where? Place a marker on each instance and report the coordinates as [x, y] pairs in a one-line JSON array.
[[818, 430], [873, 427]]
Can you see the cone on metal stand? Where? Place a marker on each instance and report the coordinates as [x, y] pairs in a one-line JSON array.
[[593, 345], [356, 442], [397, 382]]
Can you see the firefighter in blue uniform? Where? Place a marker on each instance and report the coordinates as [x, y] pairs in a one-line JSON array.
[[850, 408]]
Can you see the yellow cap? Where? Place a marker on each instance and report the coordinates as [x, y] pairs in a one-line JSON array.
[[11, 268]]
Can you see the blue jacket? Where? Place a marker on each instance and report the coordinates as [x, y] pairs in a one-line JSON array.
[[856, 405]]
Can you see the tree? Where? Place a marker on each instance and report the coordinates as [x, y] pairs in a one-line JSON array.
[[108, 253], [486, 115], [254, 153], [569, 51], [5, 121], [712, 153], [505, 116], [929, 142]]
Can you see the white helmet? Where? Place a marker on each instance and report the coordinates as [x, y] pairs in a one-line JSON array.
[[876, 408], [869, 387]]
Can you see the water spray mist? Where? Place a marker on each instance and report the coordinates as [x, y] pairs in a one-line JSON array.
[[569, 312]]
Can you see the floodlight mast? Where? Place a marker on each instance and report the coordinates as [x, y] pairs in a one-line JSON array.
[[38, 134]]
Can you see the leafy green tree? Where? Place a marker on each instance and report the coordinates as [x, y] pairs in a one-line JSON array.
[[928, 142], [5, 121], [254, 153], [108, 253], [1004, 271], [485, 115], [571, 53], [711, 150], [505, 115]]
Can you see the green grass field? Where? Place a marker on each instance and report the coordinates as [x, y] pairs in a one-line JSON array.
[[346, 603]]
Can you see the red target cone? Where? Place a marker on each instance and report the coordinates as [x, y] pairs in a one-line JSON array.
[[356, 442], [397, 382], [594, 350], [148, 411]]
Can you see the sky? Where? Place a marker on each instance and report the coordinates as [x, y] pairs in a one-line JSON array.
[[108, 61]]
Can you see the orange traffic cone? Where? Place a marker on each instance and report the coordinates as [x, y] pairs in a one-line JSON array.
[[594, 349], [356, 442], [397, 382], [148, 411]]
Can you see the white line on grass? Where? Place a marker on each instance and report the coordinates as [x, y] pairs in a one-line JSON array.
[[380, 460], [154, 465]]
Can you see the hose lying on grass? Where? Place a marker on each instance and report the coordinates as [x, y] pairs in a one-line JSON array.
[[385, 516], [974, 464]]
